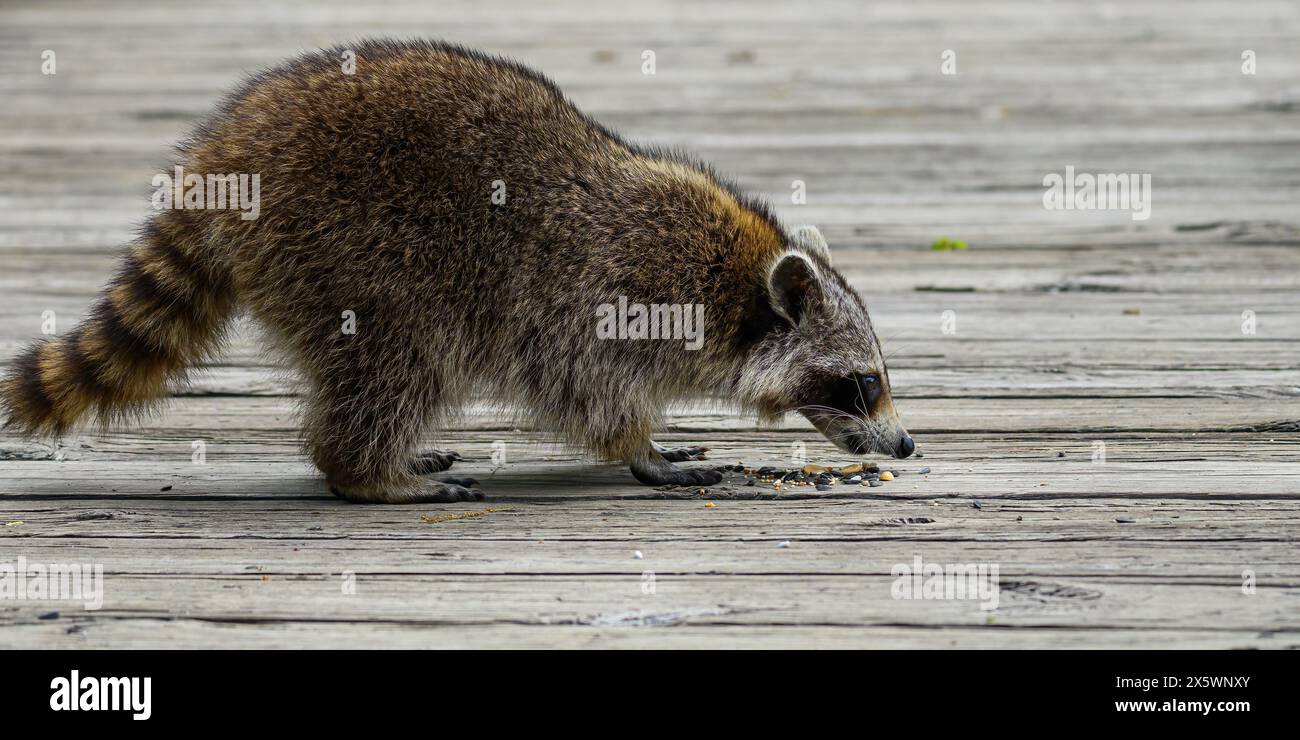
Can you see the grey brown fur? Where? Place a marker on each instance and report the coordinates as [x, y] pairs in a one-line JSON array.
[[376, 192]]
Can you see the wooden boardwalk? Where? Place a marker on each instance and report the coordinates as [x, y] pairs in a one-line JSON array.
[[1075, 331]]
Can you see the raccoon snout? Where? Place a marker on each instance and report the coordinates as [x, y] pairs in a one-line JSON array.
[[905, 447]]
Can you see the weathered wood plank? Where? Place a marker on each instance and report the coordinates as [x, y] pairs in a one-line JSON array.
[[671, 631], [702, 600], [203, 536], [980, 467]]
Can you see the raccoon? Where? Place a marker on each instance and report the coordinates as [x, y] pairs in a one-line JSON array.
[[468, 220]]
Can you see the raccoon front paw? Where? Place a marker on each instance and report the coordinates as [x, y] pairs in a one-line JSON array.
[[682, 454], [434, 461]]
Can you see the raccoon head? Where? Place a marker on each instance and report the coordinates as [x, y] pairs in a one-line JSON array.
[[820, 356]]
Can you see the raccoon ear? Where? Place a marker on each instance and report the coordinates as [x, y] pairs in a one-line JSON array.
[[810, 238], [792, 286]]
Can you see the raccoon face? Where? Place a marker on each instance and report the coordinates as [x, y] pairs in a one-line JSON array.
[[822, 358]]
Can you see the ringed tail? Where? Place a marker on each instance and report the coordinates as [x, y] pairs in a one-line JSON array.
[[165, 311]]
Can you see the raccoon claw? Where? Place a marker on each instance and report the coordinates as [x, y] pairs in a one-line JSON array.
[[682, 454], [434, 461], [462, 482], [447, 492]]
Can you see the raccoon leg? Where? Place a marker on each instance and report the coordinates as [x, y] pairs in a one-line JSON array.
[[652, 469], [680, 454], [360, 471], [616, 426], [374, 469], [363, 420]]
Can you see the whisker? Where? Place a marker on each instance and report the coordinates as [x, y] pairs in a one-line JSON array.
[[894, 353]]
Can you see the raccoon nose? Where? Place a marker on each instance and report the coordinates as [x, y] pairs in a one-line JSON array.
[[905, 447]]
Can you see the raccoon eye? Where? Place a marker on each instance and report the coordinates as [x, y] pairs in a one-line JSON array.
[[870, 384]]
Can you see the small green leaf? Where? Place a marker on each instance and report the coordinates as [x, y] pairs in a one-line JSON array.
[[944, 244]]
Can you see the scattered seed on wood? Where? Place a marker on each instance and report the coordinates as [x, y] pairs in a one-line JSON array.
[[783, 543], [886, 475], [165, 488], [1125, 520], [823, 487], [439, 518], [811, 475], [924, 470]]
